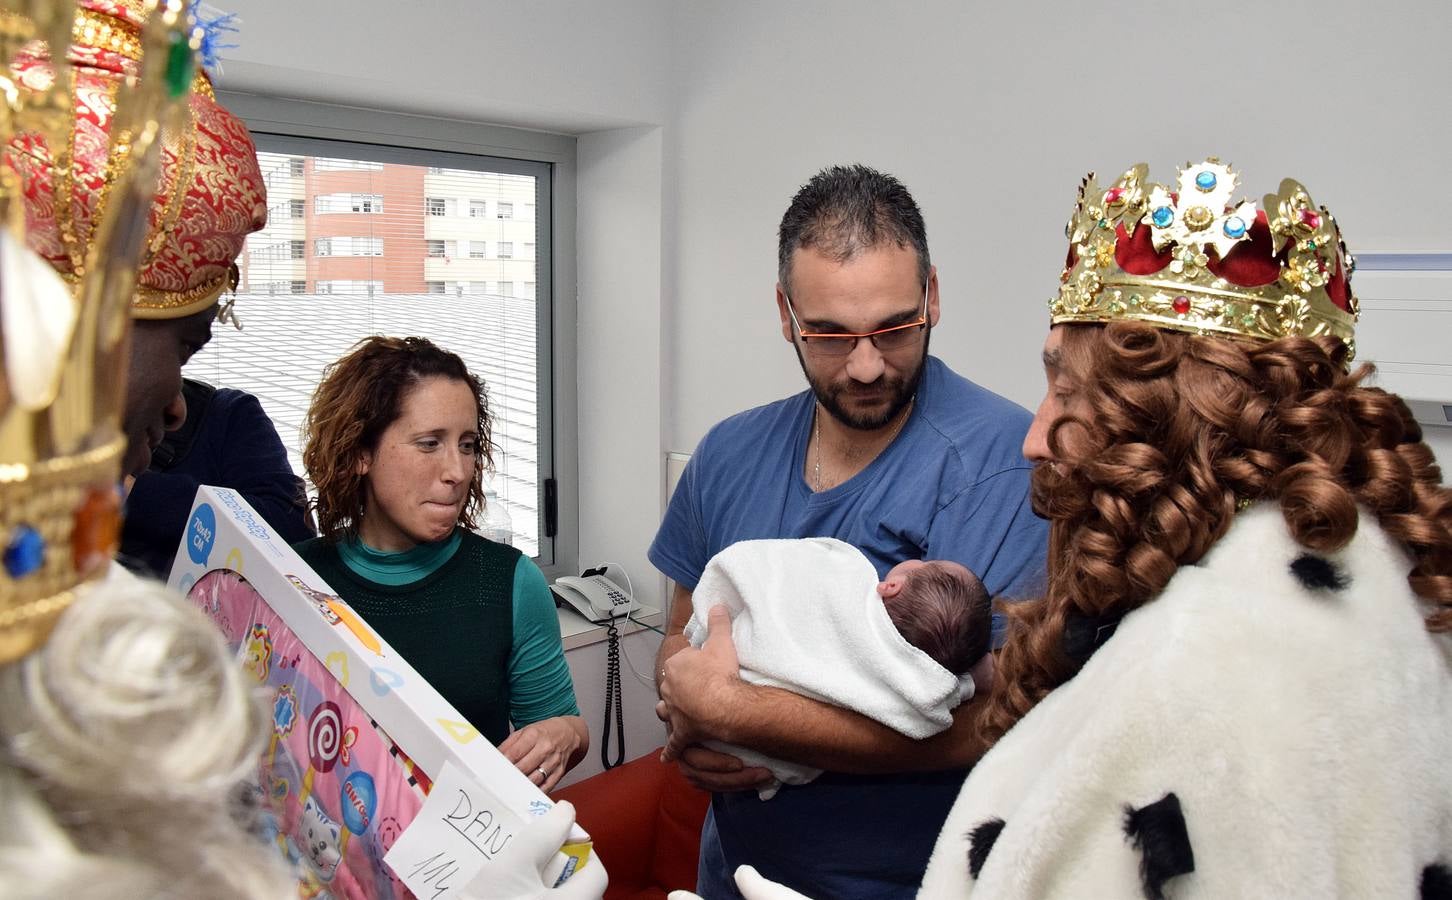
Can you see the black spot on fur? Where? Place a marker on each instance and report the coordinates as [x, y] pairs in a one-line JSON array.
[[1318, 573], [1085, 634], [1158, 832], [980, 841], [1437, 882]]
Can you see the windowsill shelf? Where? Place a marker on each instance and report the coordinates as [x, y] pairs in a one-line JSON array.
[[576, 632]]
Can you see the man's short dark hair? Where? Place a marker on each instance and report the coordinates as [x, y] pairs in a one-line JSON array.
[[844, 210]]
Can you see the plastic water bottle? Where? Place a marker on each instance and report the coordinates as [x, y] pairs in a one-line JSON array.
[[496, 525]]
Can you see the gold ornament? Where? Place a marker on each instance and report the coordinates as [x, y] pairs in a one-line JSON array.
[[63, 346], [1192, 231]]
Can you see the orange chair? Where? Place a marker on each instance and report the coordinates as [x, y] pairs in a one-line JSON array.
[[645, 821]]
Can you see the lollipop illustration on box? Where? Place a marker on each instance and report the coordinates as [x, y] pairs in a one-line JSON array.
[[331, 777]]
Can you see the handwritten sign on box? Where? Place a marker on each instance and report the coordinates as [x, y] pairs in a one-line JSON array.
[[461, 827]]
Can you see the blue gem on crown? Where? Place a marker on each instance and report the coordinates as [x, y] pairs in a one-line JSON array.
[[1163, 217], [25, 553], [1234, 227], [1206, 181]]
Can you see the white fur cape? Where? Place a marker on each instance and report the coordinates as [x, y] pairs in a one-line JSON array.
[[1305, 732], [806, 616]]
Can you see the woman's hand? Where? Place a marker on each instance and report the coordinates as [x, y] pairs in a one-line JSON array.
[[545, 750]]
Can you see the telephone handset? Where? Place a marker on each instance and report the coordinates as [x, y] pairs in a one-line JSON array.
[[595, 597]]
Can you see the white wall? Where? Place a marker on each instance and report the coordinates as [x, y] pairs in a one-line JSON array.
[[553, 65], [991, 113]]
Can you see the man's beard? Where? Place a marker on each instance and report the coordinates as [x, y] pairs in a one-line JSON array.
[[900, 393]]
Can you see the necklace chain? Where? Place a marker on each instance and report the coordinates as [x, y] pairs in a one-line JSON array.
[[817, 436]]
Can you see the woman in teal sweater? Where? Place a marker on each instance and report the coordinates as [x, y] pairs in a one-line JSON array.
[[398, 439]]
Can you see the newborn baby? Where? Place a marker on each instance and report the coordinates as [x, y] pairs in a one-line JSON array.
[[810, 616]]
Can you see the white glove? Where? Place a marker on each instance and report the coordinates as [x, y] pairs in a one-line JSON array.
[[518, 872], [752, 886]]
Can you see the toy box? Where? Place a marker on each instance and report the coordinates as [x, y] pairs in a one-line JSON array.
[[356, 731]]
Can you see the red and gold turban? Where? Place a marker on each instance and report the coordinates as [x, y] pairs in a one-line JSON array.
[[210, 197]]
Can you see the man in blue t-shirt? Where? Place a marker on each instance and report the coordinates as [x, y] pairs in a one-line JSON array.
[[890, 451]]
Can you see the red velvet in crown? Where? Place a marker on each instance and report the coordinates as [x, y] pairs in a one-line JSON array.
[[1190, 260]]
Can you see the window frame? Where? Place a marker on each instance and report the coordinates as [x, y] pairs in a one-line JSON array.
[[295, 127]]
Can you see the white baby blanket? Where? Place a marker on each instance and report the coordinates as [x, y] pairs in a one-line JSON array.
[[806, 616]]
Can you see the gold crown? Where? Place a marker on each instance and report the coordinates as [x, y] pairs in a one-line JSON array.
[[1193, 260], [63, 347]]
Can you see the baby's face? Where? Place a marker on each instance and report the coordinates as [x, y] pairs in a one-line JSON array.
[[897, 576]]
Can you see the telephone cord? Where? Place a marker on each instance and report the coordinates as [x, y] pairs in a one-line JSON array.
[[613, 700]]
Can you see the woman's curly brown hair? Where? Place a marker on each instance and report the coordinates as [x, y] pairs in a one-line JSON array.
[[1176, 430], [359, 397]]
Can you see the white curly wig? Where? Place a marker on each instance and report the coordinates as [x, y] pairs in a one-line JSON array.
[[126, 746]]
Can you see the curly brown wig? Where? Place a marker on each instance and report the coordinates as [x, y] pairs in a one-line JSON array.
[[359, 397], [1177, 431]]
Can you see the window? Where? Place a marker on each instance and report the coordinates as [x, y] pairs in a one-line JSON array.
[[506, 250], [348, 203], [295, 166], [328, 164], [506, 289], [403, 260], [506, 210], [348, 246], [350, 288]]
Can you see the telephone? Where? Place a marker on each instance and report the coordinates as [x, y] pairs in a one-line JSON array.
[[595, 597]]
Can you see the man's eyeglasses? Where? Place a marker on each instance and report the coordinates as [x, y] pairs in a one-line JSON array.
[[886, 340]]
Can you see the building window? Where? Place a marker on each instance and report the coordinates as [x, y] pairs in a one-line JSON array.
[[348, 203], [506, 250], [506, 289], [329, 164], [347, 287], [368, 284], [506, 210], [295, 166], [348, 246]]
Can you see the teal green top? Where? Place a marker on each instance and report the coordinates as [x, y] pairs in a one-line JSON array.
[[443, 606]]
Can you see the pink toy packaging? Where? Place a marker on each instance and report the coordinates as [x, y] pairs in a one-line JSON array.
[[356, 732], [339, 790]]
